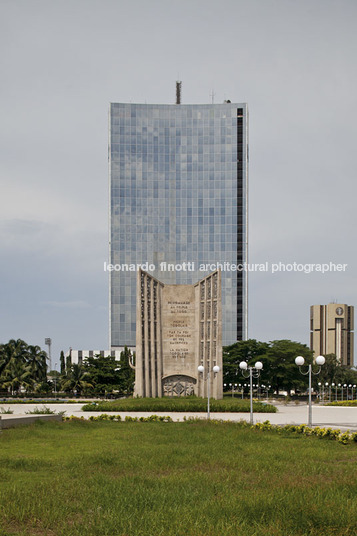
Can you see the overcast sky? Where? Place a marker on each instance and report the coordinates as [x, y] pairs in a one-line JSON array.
[[63, 61]]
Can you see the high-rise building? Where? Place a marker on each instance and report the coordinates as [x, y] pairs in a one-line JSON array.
[[178, 190], [331, 331]]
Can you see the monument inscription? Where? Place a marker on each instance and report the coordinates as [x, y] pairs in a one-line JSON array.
[[178, 329]]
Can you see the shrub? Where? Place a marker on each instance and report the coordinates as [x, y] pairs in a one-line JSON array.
[[41, 411], [321, 433], [5, 411], [184, 404]]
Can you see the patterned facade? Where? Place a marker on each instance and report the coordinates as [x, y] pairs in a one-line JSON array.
[[178, 196]]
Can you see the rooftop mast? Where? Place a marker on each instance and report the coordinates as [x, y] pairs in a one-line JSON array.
[[178, 92]]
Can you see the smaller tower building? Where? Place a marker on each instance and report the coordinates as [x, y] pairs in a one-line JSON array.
[[331, 331]]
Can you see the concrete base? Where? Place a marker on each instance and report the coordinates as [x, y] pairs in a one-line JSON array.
[[11, 421]]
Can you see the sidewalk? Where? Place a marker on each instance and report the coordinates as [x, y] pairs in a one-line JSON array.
[[344, 418]]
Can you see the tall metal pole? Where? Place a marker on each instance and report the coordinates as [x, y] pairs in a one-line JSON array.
[[244, 367], [48, 341], [251, 394], [310, 404], [319, 361], [208, 394]]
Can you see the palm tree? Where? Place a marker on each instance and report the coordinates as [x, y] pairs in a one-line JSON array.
[[5, 356], [17, 374], [76, 380], [37, 360], [13, 361]]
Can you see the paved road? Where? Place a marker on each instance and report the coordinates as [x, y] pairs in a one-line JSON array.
[[335, 417]]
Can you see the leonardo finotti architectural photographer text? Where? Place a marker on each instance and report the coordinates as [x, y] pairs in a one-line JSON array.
[[273, 268]]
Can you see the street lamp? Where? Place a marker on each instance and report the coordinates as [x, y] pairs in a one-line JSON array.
[[329, 391], [267, 388], [341, 391], [299, 361], [335, 386], [254, 372], [215, 370], [233, 386]]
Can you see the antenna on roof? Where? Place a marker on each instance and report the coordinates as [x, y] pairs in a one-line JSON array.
[[178, 92]]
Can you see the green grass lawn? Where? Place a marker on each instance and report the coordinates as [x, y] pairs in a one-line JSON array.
[[227, 404], [173, 479]]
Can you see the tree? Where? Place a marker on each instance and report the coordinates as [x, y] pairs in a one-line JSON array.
[[14, 369], [36, 359], [278, 358], [63, 363], [76, 380], [107, 375], [333, 372], [6, 352], [250, 351], [69, 361], [103, 373], [126, 373], [279, 368]]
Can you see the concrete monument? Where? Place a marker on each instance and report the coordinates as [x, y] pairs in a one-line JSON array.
[[178, 328]]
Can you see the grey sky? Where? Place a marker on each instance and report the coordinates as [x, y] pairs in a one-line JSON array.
[[62, 62]]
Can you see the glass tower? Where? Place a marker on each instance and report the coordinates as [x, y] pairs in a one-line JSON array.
[[178, 202]]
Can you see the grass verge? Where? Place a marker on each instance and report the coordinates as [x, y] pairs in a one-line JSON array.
[[40, 400], [188, 404], [347, 403], [198, 478]]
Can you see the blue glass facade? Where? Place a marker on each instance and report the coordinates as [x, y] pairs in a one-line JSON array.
[[178, 195]]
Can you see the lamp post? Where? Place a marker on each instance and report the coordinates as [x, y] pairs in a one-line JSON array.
[[233, 386], [56, 380], [266, 388], [254, 372], [299, 361], [335, 386], [215, 370]]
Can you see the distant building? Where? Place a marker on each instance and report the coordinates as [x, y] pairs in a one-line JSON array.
[[78, 356], [331, 331]]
